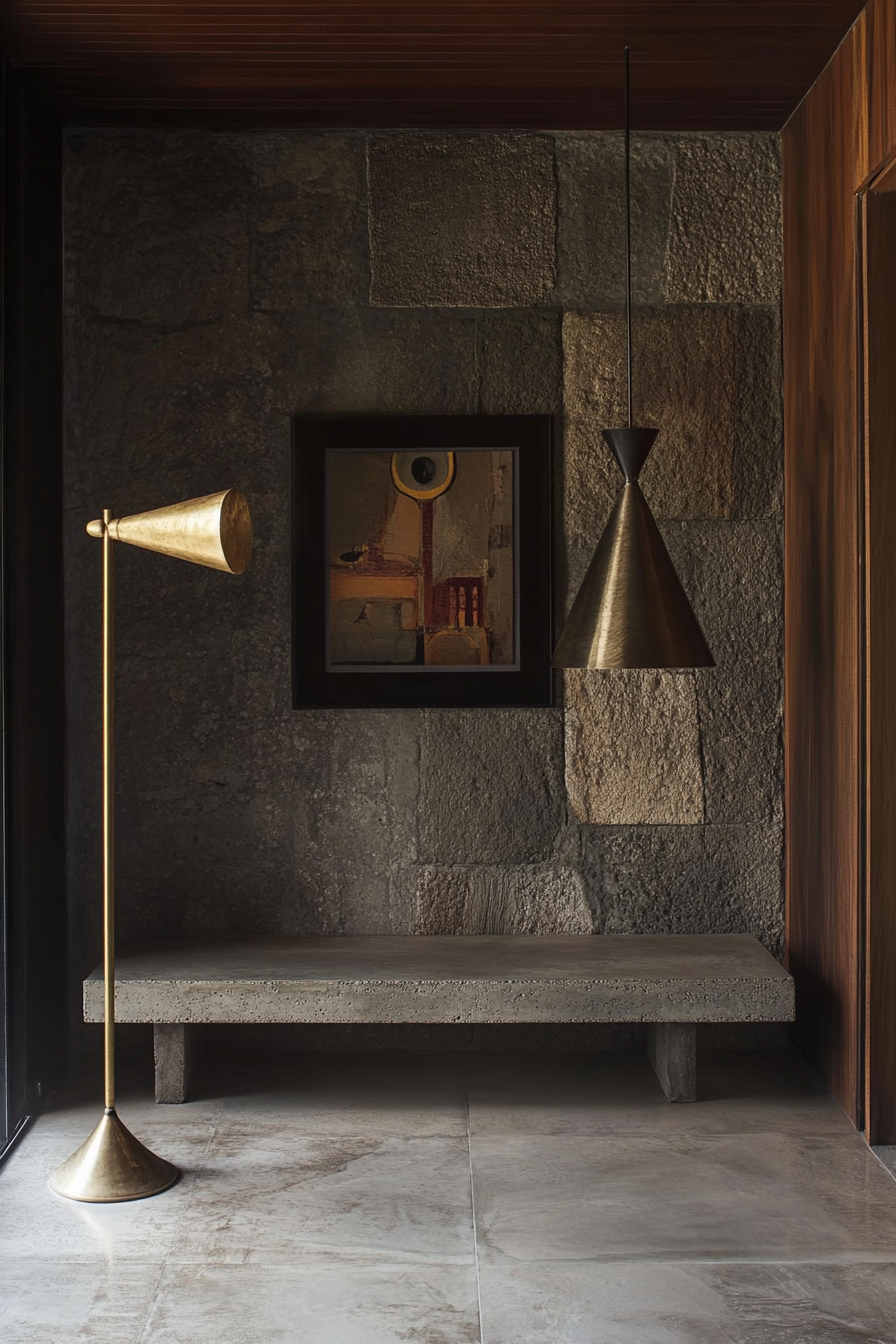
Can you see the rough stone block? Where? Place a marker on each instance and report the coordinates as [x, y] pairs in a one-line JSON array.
[[633, 748], [461, 221], [356, 807], [725, 232], [133, 382], [192, 862], [710, 379], [520, 900], [161, 413], [686, 879], [366, 360], [520, 360], [157, 224], [591, 218], [741, 719], [733, 574], [492, 786], [308, 220], [208, 843]]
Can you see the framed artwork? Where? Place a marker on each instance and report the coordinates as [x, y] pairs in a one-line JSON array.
[[422, 560]]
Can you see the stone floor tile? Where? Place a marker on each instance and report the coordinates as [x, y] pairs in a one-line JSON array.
[[68, 1302], [36, 1222], [139, 1111], [616, 1093], [277, 1198], [284, 1304], [682, 1197], [347, 1096], [689, 1304], [605, 1215]]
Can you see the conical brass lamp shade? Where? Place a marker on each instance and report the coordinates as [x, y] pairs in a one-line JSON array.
[[631, 610], [215, 531]]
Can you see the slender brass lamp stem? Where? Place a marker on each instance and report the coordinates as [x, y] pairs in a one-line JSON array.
[[109, 809], [628, 241], [215, 531]]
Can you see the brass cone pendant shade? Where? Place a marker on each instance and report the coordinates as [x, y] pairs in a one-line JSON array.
[[631, 610]]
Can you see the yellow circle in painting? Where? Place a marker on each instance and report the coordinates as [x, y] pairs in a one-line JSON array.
[[422, 474]]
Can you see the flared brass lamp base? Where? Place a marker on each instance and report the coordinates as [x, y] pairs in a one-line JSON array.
[[112, 1166]]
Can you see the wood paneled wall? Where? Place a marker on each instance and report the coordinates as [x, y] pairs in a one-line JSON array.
[[879, 330], [443, 63], [839, 138]]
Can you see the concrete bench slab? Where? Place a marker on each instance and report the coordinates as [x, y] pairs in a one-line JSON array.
[[672, 980]]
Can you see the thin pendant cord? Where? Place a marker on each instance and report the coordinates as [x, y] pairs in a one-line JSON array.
[[628, 244]]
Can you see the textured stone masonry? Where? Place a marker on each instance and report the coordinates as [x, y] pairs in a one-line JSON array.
[[633, 748], [463, 220], [677, 879], [725, 226], [527, 899], [219, 283], [591, 205]]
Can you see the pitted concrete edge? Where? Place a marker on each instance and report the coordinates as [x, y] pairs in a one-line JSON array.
[[500, 1000]]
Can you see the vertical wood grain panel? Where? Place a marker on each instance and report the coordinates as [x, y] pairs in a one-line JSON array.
[[880, 468], [838, 852], [879, 54], [822, 522]]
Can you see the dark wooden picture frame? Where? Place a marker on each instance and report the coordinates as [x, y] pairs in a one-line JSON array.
[[510, 672]]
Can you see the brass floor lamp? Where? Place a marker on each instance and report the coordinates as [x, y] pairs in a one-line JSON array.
[[216, 531]]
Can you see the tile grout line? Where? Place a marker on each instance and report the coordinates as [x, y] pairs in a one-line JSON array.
[[843, 1259], [149, 1306], [165, 1262], [889, 1170], [473, 1208]]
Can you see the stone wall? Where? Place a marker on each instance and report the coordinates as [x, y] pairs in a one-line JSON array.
[[218, 283]]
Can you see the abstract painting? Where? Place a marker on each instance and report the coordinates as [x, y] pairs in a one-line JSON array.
[[421, 560], [421, 550]]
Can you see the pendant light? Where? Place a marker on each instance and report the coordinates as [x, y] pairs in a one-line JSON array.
[[631, 610]]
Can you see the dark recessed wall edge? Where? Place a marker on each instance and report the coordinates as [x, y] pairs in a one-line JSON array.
[[33, 702]]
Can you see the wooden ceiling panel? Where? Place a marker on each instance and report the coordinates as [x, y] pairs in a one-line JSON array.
[[453, 63]]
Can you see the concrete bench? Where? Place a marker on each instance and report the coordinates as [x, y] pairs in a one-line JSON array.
[[669, 982]]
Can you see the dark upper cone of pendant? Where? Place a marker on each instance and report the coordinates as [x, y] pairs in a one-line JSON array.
[[631, 448]]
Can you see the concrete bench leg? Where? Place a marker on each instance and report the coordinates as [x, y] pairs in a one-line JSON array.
[[672, 1047], [172, 1042]]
